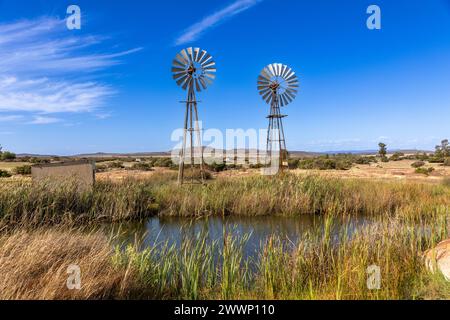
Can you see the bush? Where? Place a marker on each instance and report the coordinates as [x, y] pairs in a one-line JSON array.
[[425, 171], [324, 164], [418, 164], [142, 166], [7, 156], [162, 162], [23, 170], [4, 174], [397, 156], [35, 160], [101, 168], [116, 165], [217, 167], [447, 162]]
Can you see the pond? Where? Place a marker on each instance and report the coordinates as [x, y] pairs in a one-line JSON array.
[[158, 231]]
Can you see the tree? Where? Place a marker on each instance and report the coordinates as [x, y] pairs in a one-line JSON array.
[[443, 150], [383, 150]]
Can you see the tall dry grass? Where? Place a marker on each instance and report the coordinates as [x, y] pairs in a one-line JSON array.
[[294, 195], [26, 204], [321, 266], [34, 265], [35, 204]]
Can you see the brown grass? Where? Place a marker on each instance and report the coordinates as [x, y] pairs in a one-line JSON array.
[[34, 265]]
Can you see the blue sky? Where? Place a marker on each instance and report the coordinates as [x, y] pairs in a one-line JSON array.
[[108, 86]]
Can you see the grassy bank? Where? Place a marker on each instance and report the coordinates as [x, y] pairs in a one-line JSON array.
[[25, 203], [34, 265]]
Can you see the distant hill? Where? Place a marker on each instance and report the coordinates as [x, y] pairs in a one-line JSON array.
[[251, 152]]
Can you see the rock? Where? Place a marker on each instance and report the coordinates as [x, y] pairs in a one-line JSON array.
[[440, 257]]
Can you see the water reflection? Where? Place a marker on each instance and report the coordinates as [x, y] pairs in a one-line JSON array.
[[158, 231]]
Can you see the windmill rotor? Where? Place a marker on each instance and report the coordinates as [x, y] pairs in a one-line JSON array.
[[194, 68], [278, 81]]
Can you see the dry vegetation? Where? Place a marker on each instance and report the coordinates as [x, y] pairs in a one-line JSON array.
[[407, 219]]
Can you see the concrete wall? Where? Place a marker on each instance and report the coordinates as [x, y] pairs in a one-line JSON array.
[[80, 172]]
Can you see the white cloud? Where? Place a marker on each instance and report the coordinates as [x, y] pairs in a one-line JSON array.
[[46, 70], [197, 29], [10, 118], [44, 120]]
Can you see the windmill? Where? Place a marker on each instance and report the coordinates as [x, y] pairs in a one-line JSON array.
[[278, 85], [194, 70]]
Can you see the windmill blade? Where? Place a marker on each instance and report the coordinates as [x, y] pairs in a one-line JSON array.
[[210, 76], [207, 80], [182, 80], [280, 69], [208, 65], [202, 56], [177, 70], [290, 95], [272, 70], [178, 76], [202, 82], [265, 75], [280, 100], [264, 91], [292, 76], [285, 70], [191, 54], [208, 57], [187, 83], [185, 56], [266, 95], [197, 85], [196, 53], [176, 63], [182, 59]]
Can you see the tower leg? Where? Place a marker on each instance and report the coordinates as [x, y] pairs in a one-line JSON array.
[[183, 149], [191, 112]]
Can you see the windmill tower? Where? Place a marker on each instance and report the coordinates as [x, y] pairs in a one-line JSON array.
[[194, 70], [278, 85]]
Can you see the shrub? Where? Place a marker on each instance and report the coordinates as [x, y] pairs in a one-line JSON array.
[[418, 164], [142, 166], [35, 160], [8, 156], [23, 170], [101, 168], [324, 164], [162, 162], [217, 167], [425, 171], [447, 162], [4, 174], [116, 165], [397, 156]]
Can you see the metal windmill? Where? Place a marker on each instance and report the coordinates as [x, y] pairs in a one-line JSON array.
[[278, 85], [194, 70]]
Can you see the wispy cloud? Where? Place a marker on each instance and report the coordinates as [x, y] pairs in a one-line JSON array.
[[45, 69], [199, 28], [10, 118], [44, 120]]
